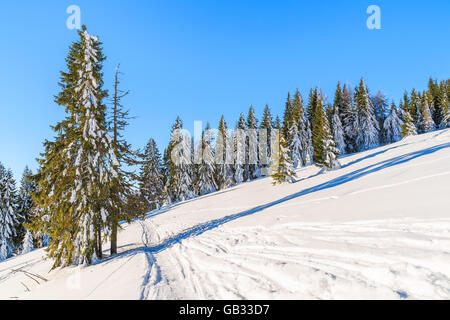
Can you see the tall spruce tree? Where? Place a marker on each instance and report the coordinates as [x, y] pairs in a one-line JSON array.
[[239, 151], [265, 136], [427, 124], [304, 129], [348, 119], [223, 157], [392, 126], [151, 179], [77, 169], [205, 181], [252, 142], [325, 152], [367, 125], [380, 105], [25, 205], [288, 118], [8, 213], [338, 130]]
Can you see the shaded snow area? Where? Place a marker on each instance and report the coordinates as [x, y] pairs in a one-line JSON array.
[[379, 228]]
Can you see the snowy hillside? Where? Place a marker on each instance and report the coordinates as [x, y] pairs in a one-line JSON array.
[[378, 228]]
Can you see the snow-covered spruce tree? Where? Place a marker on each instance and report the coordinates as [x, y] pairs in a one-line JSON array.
[[295, 145], [282, 169], [444, 101], [434, 102], [368, 128], [28, 244], [77, 169], [349, 119], [8, 213], [408, 126], [151, 180], [252, 142], [304, 129], [426, 124], [182, 166], [392, 126], [288, 118], [223, 157], [338, 131], [325, 152], [172, 184], [380, 105], [24, 205], [415, 108], [239, 151], [205, 182], [265, 134]]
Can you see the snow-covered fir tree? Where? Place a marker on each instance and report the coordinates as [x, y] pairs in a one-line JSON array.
[[282, 169], [265, 140], [239, 150], [304, 129], [392, 126], [25, 204], [338, 131], [408, 126], [205, 182], [28, 244], [380, 105], [151, 179], [444, 99], [77, 168], [426, 124], [8, 212], [223, 157], [415, 108], [325, 152], [182, 156], [252, 159], [348, 119], [295, 145], [288, 118], [366, 123], [172, 183]]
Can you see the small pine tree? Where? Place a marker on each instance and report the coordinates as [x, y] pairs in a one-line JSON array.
[[27, 245], [392, 126]]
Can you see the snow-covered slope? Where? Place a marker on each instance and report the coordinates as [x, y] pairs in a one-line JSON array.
[[378, 228]]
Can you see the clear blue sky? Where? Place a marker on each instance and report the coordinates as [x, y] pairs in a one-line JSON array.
[[199, 59]]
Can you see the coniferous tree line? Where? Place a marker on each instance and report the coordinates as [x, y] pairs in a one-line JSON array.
[[83, 187]]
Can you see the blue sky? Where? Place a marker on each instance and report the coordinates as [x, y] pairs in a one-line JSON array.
[[200, 59]]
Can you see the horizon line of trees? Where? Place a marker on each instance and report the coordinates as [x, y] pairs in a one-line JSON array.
[[84, 185]]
